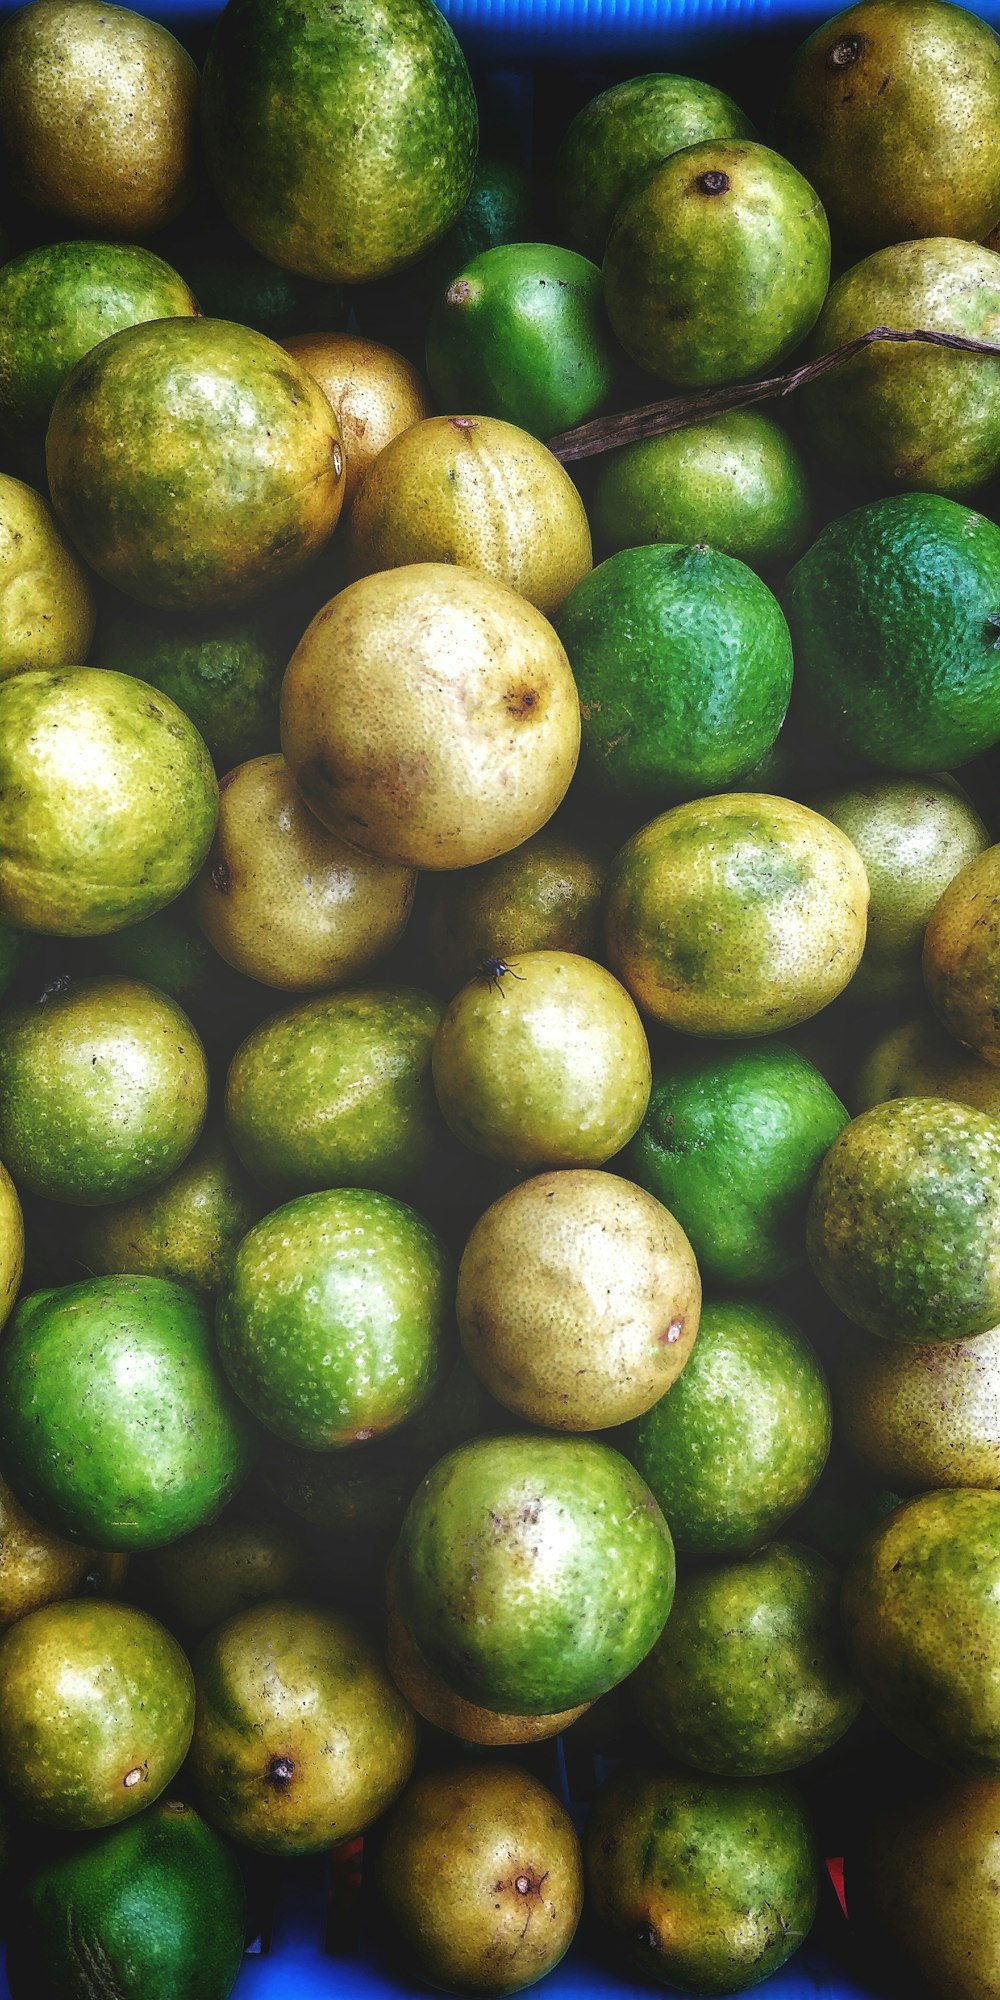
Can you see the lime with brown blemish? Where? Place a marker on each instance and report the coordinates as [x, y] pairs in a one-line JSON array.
[[961, 957], [376, 394], [903, 1229], [107, 801], [103, 1091], [194, 463], [741, 914], [331, 1317], [430, 717], [98, 107], [921, 1611], [747, 1677], [893, 112], [916, 1058], [337, 1092], [616, 140], [97, 1713], [736, 482], [157, 1904], [521, 334], [223, 670], [57, 301], [283, 898], [914, 836], [542, 1061], [11, 1244], [543, 896], [578, 1300], [300, 1739], [703, 1883], [723, 220], [250, 1555], [731, 1142], [534, 1572], [185, 1229], [910, 415], [684, 668], [918, 1416], [117, 1426], [438, 1704], [740, 1440], [478, 492], [480, 1874], [47, 610]]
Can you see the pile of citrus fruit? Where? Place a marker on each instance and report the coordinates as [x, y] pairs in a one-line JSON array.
[[499, 1050]]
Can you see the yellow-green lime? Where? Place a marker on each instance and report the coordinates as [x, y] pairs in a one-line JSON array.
[[736, 482], [47, 611], [961, 957]]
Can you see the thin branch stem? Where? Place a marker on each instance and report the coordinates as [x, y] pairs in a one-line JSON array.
[[677, 412]]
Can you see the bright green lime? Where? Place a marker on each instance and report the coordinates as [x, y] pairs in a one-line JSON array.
[[747, 1676], [736, 482], [731, 1144], [893, 614], [741, 1438], [520, 334], [684, 667], [717, 264], [619, 136], [56, 302], [331, 1317], [157, 1904]]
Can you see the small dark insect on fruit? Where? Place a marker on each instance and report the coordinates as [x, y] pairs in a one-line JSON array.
[[493, 970]]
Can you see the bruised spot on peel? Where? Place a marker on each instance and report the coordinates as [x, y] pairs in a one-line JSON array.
[[521, 701]]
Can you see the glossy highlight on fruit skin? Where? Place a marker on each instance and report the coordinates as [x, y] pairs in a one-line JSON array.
[[331, 1316], [97, 1713], [534, 1572], [116, 1425], [741, 914], [903, 1230], [429, 716], [921, 1613], [194, 463], [300, 1739], [542, 1062], [578, 1300], [108, 801]]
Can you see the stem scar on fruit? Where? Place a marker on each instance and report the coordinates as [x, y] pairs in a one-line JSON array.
[[493, 970]]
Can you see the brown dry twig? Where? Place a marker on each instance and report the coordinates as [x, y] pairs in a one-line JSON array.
[[677, 412]]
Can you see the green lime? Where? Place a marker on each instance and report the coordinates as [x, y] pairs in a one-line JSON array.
[[331, 1317], [97, 1711], [703, 1884], [108, 801], [360, 124], [498, 209], [893, 614], [736, 482], [158, 1905], [921, 1610], [224, 671], [739, 1441], [912, 416], [56, 303], [913, 836], [116, 1425], [520, 333], [614, 142], [684, 666], [717, 264], [904, 1221], [731, 1143], [186, 1228], [534, 1572], [103, 1091], [231, 280], [542, 1061], [337, 1092], [747, 1676], [741, 914]]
